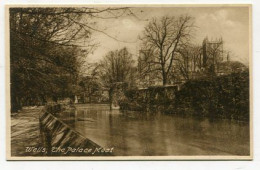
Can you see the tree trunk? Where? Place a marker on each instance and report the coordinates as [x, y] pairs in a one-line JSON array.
[[110, 97], [165, 81], [15, 104]]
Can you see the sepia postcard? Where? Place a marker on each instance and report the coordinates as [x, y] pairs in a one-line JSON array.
[[129, 82]]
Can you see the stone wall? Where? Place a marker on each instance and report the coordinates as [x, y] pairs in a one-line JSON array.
[[55, 135], [225, 97], [149, 99]]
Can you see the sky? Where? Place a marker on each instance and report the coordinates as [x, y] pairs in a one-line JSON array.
[[230, 23]]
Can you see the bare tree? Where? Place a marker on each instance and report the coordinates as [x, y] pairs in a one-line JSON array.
[[164, 36], [188, 60], [117, 66], [148, 69]]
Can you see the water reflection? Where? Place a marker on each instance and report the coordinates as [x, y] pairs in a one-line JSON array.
[[134, 133]]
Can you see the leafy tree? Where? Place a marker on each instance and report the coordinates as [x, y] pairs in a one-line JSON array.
[[90, 84], [46, 51]]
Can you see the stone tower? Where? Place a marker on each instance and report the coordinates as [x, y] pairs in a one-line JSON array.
[[212, 51]]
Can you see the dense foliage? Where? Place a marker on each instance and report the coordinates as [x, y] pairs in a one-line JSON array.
[[44, 62], [214, 97], [224, 96]]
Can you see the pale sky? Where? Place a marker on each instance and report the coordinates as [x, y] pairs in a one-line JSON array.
[[230, 23]]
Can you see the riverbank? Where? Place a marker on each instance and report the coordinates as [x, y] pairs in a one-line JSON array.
[[224, 97], [141, 133], [25, 131], [36, 131]]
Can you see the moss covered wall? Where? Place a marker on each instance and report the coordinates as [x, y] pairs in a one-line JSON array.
[[148, 99], [224, 97], [219, 96]]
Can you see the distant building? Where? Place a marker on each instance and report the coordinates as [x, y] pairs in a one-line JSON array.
[[213, 54], [203, 61]]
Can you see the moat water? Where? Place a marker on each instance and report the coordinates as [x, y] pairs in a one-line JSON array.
[[143, 134]]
